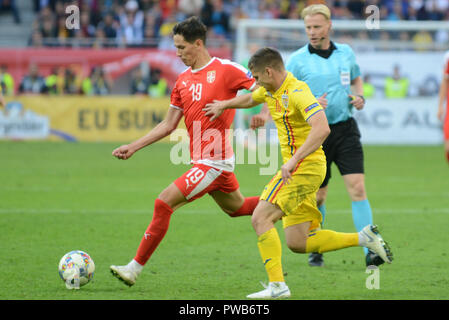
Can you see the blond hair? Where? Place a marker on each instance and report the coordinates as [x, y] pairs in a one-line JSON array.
[[316, 9]]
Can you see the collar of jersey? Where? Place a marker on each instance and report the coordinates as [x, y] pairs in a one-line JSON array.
[[284, 84], [205, 66]]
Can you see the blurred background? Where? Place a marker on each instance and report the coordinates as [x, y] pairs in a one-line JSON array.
[[108, 75]]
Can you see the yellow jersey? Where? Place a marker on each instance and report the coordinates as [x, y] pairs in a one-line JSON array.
[[290, 107]]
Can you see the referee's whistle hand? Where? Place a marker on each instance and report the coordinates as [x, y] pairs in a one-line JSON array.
[[322, 100], [356, 101]]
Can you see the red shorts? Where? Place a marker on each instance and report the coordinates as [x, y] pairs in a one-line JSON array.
[[202, 179]]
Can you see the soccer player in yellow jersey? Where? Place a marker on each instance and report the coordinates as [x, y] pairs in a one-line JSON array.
[[291, 194]]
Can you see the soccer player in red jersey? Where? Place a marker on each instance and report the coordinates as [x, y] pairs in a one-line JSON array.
[[207, 79], [443, 114]]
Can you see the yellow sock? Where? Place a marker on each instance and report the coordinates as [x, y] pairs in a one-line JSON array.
[[327, 240], [270, 250]]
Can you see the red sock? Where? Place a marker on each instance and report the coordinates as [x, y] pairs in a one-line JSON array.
[[247, 208], [447, 156], [155, 231]]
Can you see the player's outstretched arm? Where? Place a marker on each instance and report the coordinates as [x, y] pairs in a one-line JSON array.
[[216, 108], [261, 118], [163, 129], [319, 132]]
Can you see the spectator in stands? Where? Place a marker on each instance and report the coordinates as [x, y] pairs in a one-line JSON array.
[[369, 91], [101, 84], [166, 35], [396, 86], [33, 82], [72, 83], [10, 5], [6, 81], [36, 39], [87, 28], [100, 40], [190, 7], [55, 81], [422, 40], [48, 31], [131, 24], [220, 19], [158, 85], [442, 37], [437, 9], [62, 32], [139, 83], [355, 7], [109, 26], [86, 84]]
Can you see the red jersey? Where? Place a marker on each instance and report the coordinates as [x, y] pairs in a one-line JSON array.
[[220, 79]]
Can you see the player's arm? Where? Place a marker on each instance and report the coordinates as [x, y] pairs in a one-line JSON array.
[[261, 118], [357, 99], [163, 129], [216, 108], [318, 133], [442, 96]]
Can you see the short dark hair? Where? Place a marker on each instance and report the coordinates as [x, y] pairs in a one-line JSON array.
[[191, 29], [266, 57]]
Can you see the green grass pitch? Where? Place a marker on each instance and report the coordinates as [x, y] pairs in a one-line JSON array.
[[57, 197]]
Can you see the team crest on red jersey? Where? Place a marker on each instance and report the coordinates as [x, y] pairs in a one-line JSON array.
[[210, 76]]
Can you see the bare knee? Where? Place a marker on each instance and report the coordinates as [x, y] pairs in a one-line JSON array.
[[357, 191], [257, 221], [298, 245]]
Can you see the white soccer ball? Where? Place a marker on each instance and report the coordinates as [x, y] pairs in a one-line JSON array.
[[76, 269]]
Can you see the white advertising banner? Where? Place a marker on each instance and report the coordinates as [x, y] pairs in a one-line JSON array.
[[400, 121], [18, 123]]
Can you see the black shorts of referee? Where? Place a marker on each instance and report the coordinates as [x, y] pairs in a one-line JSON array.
[[343, 147]]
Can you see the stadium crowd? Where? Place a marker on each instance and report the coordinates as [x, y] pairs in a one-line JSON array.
[[105, 23], [149, 23]]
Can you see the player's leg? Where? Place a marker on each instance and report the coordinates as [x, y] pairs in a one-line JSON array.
[[350, 162], [315, 258], [303, 236], [330, 146], [361, 209], [234, 203], [299, 240], [321, 196], [166, 203], [270, 249], [168, 200]]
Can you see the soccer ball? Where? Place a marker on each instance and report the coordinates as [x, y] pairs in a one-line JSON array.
[[76, 269]]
